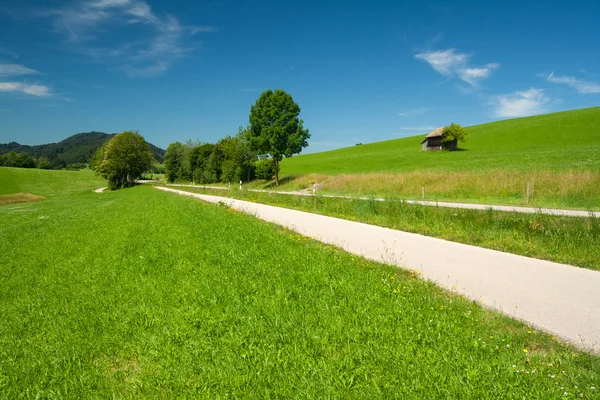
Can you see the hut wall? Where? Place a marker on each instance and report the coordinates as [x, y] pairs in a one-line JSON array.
[[433, 143]]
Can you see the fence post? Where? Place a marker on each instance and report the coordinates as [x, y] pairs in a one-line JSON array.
[[423, 192]]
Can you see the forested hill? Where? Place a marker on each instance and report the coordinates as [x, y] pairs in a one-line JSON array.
[[75, 149]]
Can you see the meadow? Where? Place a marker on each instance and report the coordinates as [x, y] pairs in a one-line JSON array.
[[143, 294], [557, 154]]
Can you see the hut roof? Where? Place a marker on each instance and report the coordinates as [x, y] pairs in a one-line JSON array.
[[435, 133]]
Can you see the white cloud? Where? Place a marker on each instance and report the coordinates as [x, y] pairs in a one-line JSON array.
[[581, 86], [33, 90], [451, 63], [521, 103], [156, 44], [15, 69], [413, 111], [472, 75], [445, 62]]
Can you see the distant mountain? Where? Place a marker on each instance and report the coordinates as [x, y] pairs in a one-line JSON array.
[[75, 149]]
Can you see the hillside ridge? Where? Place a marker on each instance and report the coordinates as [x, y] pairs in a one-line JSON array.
[[77, 148]]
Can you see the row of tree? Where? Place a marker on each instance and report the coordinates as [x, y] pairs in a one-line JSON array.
[[275, 132], [23, 160], [231, 159]]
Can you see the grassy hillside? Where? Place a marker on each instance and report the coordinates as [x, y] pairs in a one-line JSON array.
[[143, 294], [558, 142], [47, 183], [557, 155]]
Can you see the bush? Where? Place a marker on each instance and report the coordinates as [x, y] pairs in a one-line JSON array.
[[265, 169]]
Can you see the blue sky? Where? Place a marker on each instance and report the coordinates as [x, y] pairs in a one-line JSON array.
[[361, 71]]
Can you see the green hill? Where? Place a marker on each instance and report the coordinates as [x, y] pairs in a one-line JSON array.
[[75, 149], [561, 141]]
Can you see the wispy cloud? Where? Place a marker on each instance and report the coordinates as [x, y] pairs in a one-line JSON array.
[[11, 71], [451, 63], [8, 53], [581, 86], [33, 90], [7, 70], [521, 103], [157, 41], [413, 111]]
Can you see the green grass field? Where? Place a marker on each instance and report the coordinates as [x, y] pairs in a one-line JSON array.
[[557, 154], [561, 141], [143, 294], [48, 183]]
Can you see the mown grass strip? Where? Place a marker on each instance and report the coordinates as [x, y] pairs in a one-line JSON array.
[[567, 240], [139, 293]]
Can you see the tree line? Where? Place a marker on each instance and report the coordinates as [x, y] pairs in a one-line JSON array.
[[23, 160], [275, 132], [231, 159]]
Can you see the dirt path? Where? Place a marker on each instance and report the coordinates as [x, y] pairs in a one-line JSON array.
[[561, 299], [447, 204]]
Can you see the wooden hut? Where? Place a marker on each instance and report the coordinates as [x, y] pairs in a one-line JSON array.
[[433, 140]]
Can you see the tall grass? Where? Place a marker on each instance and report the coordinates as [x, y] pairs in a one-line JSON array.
[[570, 189]]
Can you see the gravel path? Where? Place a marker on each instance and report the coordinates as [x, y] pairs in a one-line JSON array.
[[558, 298], [447, 204]]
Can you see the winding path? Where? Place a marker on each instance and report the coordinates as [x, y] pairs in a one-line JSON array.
[[558, 298]]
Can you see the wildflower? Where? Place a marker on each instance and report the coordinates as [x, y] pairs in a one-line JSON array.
[[525, 351], [529, 332]]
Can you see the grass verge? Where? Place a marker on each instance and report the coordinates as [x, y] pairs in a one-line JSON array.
[[567, 240], [143, 294]]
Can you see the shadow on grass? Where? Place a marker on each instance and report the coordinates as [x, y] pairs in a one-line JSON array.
[[282, 181]]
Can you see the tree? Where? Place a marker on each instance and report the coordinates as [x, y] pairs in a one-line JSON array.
[[265, 169], [275, 129], [198, 161], [175, 158], [126, 157], [451, 135], [43, 163]]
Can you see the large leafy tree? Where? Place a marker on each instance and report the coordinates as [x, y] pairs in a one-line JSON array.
[[275, 129], [175, 161], [452, 134], [125, 158]]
